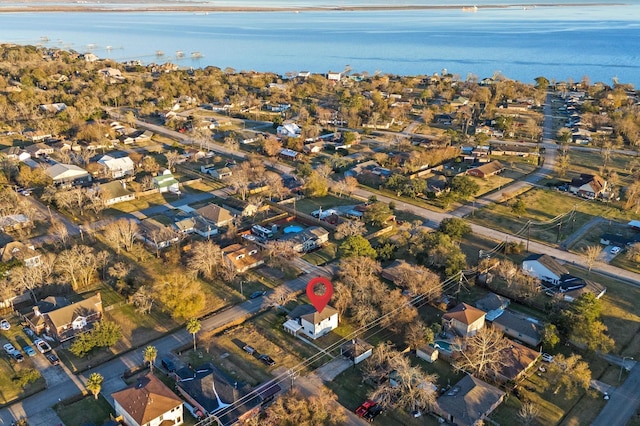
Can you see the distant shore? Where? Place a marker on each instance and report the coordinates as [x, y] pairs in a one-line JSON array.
[[149, 6]]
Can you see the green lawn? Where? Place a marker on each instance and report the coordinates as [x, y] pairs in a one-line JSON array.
[[542, 207], [86, 411], [326, 254]]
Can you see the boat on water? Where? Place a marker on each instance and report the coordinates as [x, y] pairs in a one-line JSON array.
[[179, 53], [196, 55], [159, 53], [470, 9]]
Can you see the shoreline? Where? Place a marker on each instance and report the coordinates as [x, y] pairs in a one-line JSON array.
[[122, 8]]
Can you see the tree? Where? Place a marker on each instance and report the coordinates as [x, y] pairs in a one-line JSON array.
[[519, 207], [356, 245], [106, 334], [121, 234], [417, 334], [181, 295], [464, 186], [528, 413], [550, 337], [377, 214], [570, 374], [78, 264], [94, 384], [143, 299], [591, 254], [281, 296], [193, 326], [485, 354], [293, 409], [454, 227], [586, 327], [271, 146], [172, 158], [206, 256], [350, 228], [317, 185], [150, 353]]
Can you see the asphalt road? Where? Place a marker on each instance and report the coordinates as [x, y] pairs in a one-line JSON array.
[[623, 402]]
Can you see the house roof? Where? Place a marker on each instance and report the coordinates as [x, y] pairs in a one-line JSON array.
[[165, 180], [492, 302], [490, 168], [114, 190], [240, 256], [310, 314], [548, 262], [464, 313], [518, 358], [17, 250], [146, 400], [68, 314], [472, 399], [355, 347], [117, 164], [212, 388], [519, 324], [215, 213], [596, 182], [65, 171]]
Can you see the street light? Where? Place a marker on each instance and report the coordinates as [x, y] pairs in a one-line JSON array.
[[622, 365]]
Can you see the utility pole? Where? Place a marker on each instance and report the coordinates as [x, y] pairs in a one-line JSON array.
[[528, 235], [559, 231]]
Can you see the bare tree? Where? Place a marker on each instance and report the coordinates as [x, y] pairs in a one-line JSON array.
[[350, 228], [78, 264], [60, 232], [528, 413], [143, 299], [172, 158], [280, 253], [418, 280], [281, 296], [121, 234], [483, 355], [206, 256], [23, 278], [591, 254]]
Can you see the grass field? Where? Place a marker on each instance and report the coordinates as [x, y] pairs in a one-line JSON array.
[[543, 206], [326, 254], [87, 411], [307, 205]]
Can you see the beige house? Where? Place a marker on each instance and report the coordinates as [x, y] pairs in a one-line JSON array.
[[469, 402], [149, 402], [242, 258], [68, 321], [464, 320], [214, 214]]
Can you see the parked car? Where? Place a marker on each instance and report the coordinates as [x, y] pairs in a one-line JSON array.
[[373, 412], [29, 350], [4, 325], [364, 407], [9, 348], [248, 349], [257, 294], [54, 360], [547, 358], [17, 356], [42, 346], [615, 250], [266, 359], [29, 332]]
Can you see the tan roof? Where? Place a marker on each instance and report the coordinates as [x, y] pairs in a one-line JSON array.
[[490, 168], [84, 308], [241, 257], [147, 400], [317, 317], [215, 213], [464, 313]]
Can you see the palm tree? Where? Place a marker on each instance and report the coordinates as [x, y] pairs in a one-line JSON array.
[[150, 354], [193, 326], [94, 384]]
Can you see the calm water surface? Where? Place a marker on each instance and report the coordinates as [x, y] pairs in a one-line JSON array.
[[563, 42]]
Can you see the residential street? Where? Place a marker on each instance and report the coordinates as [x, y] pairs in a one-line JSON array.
[[623, 402]]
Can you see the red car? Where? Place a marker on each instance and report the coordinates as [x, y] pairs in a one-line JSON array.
[[362, 410]]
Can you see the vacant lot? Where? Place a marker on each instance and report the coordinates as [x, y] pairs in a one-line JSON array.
[[544, 209], [86, 411]]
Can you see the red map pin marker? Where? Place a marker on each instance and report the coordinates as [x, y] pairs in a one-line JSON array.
[[319, 301]]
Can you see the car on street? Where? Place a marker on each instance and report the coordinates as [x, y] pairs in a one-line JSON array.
[[615, 250], [42, 346], [547, 358], [249, 349], [267, 360], [257, 294], [364, 407], [4, 325], [54, 360], [168, 365], [29, 350]]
